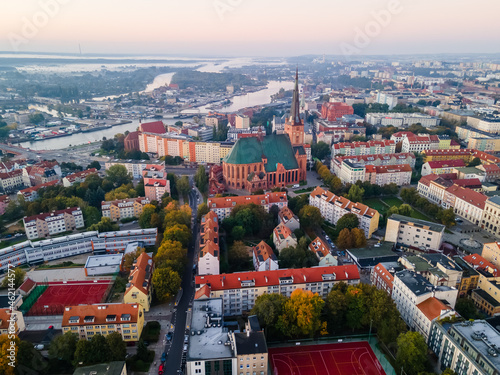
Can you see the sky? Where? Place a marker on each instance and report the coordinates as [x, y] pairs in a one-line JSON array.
[[274, 28]]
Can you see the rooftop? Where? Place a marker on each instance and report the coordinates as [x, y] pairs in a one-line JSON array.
[[250, 343], [110, 368], [415, 282], [104, 260], [433, 308], [417, 223]]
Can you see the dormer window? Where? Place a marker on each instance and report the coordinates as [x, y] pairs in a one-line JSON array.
[[74, 319], [125, 317], [89, 319]]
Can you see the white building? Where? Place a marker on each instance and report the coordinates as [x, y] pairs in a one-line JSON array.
[[288, 218], [322, 252], [409, 232], [385, 98], [264, 258], [427, 312], [103, 264], [242, 122], [283, 237], [49, 224]]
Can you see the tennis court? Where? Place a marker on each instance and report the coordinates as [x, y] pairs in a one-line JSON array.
[[353, 358], [60, 294]]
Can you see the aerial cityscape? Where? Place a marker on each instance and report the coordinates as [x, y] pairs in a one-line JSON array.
[[245, 188]]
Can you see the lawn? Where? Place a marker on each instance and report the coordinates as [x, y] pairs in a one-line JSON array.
[[417, 215], [376, 204], [392, 201]]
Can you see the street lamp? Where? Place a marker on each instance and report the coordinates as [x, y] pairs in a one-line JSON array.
[[370, 332]]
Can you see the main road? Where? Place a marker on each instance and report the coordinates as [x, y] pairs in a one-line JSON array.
[[174, 349]]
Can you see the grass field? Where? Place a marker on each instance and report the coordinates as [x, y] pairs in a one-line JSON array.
[[376, 204], [392, 201]]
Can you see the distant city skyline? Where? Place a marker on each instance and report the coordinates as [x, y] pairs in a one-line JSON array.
[[250, 28]]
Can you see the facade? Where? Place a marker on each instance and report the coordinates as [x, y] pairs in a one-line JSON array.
[[240, 290], [78, 177], [242, 122], [491, 252], [139, 287], [7, 315], [135, 167], [123, 241], [377, 160], [384, 174], [4, 201], [54, 222], [491, 172], [224, 205], [333, 111], [468, 204], [420, 143], [288, 218], [466, 154], [10, 181], [482, 265], [441, 166], [410, 289], [351, 172], [468, 348], [156, 183], [490, 220], [407, 232], [382, 278], [333, 207], [428, 311], [264, 258], [470, 277], [209, 261], [123, 208], [41, 173], [364, 148], [322, 252], [131, 141], [89, 320], [283, 237], [402, 119], [487, 296]]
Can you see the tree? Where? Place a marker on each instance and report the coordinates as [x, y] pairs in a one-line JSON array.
[[405, 209], [320, 150], [99, 349], [177, 232], [355, 193], [310, 217], [297, 257], [349, 221], [202, 211], [95, 164], [183, 185], [166, 283], [117, 347], [345, 240], [129, 258], [358, 237], [268, 308], [336, 307], [91, 215], [105, 225], [36, 118], [201, 179], [118, 175], [474, 162], [447, 217], [238, 257], [63, 347], [466, 308], [238, 233], [412, 353], [171, 254], [18, 278], [83, 353], [301, 314], [147, 212], [142, 351], [8, 345]]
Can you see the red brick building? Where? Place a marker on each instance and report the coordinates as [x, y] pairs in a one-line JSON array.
[[265, 162], [333, 111], [131, 141]]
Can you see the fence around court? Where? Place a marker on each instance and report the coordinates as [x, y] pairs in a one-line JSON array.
[[30, 300], [379, 349]]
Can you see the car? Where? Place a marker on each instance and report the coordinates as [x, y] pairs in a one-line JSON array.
[[377, 244], [163, 357], [327, 238], [296, 186], [168, 336], [161, 369], [186, 339], [39, 347], [185, 349], [51, 327]]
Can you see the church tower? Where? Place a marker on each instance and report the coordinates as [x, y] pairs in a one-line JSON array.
[[294, 126]]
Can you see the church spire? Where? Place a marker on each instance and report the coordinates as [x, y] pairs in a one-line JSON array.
[[295, 110]]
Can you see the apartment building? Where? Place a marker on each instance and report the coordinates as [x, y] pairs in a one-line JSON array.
[[78, 177], [123, 208], [125, 240], [8, 315], [10, 181], [487, 296], [383, 159], [283, 237], [470, 277], [491, 172], [382, 275], [224, 205], [466, 203], [420, 143], [322, 252], [402, 119], [437, 268], [242, 122], [351, 172], [441, 166], [139, 288], [482, 265], [410, 289], [240, 290], [41, 173], [288, 218], [135, 167], [407, 232], [384, 174], [467, 348], [491, 252], [490, 220], [264, 258], [31, 194], [89, 320], [156, 184], [364, 148], [4, 201], [427, 312], [209, 261], [489, 124], [54, 222], [333, 207], [466, 154]]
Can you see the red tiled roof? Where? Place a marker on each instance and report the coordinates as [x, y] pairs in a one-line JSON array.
[[14, 173], [478, 262], [403, 134], [37, 187], [140, 275], [388, 168], [468, 195], [319, 248], [446, 163], [467, 182], [383, 143], [264, 278], [100, 312], [432, 308], [204, 291], [209, 247], [344, 202], [384, 275], [263, 252], [81, 174], [156, 127], [53, 213], [282, 231], [27, 285], [426, 180]]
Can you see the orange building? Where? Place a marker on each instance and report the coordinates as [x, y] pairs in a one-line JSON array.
[[333, 111]]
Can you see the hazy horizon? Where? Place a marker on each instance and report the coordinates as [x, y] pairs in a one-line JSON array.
[[242, 28]]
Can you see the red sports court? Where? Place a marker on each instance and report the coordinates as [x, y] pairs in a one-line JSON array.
[[61, 294], [353, 358]]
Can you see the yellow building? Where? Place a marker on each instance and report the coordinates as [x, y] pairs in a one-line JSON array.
[[17, 321], [470, 277], [491, 252], [487, 296], [89, 320], [139, 288], [123, 208]]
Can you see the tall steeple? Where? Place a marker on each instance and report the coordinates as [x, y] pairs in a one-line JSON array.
[[295, 110]]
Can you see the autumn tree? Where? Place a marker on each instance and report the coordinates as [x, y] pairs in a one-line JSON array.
[[356, 307], [147, 212], [268, 308], [18, 278], [171, 254], [202, 211], [129, 258], [105, 225], [118, 175], [178, 232], [411, 355], [301, 314], [7, 349], [166, 283], [358, 237], [336, 307], [345, 240]]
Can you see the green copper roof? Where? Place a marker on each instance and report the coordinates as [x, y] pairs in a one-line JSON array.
[[275, 147]]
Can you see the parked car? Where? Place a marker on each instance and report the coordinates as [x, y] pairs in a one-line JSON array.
[[169, 336], [186, 339], [161, 369], [185, 349], [163, 357]]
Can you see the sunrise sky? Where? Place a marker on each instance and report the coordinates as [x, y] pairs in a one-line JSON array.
[[249, 27]]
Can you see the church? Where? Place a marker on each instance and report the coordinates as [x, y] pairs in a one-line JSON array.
[[266, 162]]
